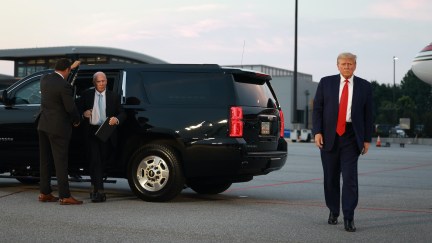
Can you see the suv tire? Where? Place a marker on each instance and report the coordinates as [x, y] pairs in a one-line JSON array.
[[205, 188], [155, 174]]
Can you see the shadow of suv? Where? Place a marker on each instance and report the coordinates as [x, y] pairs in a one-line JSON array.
[[201, 126]]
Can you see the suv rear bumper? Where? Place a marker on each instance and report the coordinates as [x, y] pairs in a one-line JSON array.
[[260, 163], [231, 158]]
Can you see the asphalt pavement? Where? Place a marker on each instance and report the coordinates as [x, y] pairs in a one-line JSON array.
[[284, 206]]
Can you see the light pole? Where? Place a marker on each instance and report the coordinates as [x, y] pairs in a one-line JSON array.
[[394, 85], [306, 92], [294, 118]]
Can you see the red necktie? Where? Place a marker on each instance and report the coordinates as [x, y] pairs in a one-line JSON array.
[[343, 104]]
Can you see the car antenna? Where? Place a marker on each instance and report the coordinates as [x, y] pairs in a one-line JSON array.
[[244, 44]]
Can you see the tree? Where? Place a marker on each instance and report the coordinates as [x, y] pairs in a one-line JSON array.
[[411, 99], [407, 109], [421, 95], [427, 121], [419, 91], [384, 108]]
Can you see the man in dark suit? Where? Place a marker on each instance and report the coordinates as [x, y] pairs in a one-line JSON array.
[[98, 105], [342, 126], [58, 113]]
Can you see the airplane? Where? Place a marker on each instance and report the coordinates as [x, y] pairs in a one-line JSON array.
[[422, 64]]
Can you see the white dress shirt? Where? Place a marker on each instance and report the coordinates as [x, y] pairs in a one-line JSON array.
[[98, 117], [350, 95]]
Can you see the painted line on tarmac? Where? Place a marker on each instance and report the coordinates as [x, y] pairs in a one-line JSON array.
[[279, 202], [318, 179], [395, 169], [395, 210], [323, 206], [10, 194], [275, 184]]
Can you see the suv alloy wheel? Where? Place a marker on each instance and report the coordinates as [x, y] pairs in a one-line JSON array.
[[154, 173]]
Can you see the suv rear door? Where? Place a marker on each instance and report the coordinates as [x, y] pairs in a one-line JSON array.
[[261, 113]]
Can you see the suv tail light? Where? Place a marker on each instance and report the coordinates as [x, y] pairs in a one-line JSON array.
[[236, 122], [282, 123]]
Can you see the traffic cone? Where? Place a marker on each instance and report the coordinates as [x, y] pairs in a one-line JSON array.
[[378, 143]]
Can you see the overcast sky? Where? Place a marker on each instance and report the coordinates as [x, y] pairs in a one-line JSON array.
[[231, 31]]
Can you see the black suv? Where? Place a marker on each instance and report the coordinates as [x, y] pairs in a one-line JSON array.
[[201, 126]]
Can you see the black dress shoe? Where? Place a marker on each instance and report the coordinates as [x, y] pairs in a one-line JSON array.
[[97, 197], [349, 225], [333, 218]]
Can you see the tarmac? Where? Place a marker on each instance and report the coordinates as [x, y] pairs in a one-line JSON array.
[[395, 205]]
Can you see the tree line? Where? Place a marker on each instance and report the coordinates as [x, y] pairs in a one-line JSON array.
[[412, 99]]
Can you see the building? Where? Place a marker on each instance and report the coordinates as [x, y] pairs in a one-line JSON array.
[[30, 60]]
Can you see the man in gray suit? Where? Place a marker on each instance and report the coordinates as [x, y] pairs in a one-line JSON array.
[[57, 115]]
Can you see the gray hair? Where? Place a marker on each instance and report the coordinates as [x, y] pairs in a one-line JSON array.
[[347, 55], [97, 74]]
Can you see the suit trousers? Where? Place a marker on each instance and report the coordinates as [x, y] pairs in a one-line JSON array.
[[54, 151], [98, 155], [343, 158]]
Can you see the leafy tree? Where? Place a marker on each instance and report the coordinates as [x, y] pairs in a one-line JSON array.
[[419, 91], [411, 99], [427, 121], [384, 107], [407, 109]]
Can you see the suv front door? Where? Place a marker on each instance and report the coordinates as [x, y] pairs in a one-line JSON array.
[[18, 134]]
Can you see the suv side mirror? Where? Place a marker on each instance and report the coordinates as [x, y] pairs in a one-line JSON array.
[[4, 98]]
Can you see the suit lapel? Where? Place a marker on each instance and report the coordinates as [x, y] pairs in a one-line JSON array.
[[108, 103], [356, 90], [335, 90]]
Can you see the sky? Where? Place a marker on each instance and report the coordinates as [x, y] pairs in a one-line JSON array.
[[232, 32]]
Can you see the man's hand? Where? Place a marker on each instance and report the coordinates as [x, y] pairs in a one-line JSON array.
[[319, 141], [87, 113], [365, 148], [75, 64], [75, 124], [113, 121]]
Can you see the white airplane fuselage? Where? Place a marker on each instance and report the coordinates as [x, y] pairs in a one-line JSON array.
[[422, 64]]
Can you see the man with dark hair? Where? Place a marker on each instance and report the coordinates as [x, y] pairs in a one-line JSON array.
[[57, 115], [62, 64]]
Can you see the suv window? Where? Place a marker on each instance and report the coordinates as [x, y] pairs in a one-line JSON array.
[[168, 88], [254, 94], [29, 93]]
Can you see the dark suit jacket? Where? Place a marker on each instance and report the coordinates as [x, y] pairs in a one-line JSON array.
[[58, 110], [113, 108], [326, 107]]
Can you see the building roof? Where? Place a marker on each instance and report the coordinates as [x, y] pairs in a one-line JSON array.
[[12, 54]]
